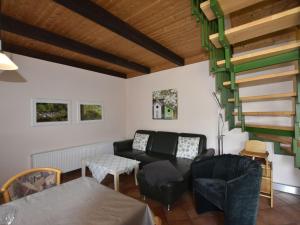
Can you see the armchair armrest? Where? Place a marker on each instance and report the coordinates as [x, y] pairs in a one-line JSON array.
[[245, 183], [125, 145], [242, 198]]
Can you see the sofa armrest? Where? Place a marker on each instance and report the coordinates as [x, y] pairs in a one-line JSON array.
[[207, 153], [125, 145]]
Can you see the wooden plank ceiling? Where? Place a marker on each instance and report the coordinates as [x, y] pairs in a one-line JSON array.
[[166, 22], [159, 34]]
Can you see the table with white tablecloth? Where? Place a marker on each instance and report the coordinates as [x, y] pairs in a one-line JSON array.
[[104, 164], [81, 202]]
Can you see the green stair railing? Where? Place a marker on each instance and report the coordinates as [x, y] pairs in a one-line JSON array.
[[222, 74], [228, 71]]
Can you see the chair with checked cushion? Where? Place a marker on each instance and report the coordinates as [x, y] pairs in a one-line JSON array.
[[30, 182]]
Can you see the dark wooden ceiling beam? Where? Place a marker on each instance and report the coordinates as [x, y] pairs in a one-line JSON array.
[[14, 26], [101, 16], [57, 59]]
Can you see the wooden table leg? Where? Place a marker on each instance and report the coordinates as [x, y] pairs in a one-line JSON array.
[[136, 170], [157, 220], [83, 168], [116, 181]]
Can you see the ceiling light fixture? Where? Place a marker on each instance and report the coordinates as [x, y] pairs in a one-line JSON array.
[[5, 61]]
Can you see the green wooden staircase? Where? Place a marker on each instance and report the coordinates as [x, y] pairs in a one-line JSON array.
[[228, 69]]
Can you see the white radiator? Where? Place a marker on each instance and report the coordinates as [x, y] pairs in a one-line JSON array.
[[69, 159]]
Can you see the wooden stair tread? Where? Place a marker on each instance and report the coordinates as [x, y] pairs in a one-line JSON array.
[[271, 97], [275, 138], [264, 79], [273, 127], [278, 113], [257, 28], [287, 149], [227, 6], [263, 53]]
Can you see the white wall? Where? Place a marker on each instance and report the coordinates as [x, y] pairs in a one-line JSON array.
[[197, 111], [127, 107], [54, 81], [283, 166]]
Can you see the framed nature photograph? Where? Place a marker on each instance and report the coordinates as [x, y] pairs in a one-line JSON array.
[[164, 104], [48, 111], [90, 112]]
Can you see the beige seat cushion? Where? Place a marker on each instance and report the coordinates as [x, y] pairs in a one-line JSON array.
[[255, 146]]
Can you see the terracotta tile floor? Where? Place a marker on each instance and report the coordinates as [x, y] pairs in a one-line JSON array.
[[286, 209]]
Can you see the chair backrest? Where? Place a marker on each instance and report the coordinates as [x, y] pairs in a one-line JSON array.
[[30, 182], [228, 167], [255, 146]]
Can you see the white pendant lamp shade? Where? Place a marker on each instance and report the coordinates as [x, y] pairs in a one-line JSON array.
[[6, 63]]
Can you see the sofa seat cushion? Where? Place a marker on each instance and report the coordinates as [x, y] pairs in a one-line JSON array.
[[211, 189], [130, 154], [149, 157], [160, 173]]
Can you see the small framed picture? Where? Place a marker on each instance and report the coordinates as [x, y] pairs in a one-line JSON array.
[[164, 104], [90, 111], [50, 112]]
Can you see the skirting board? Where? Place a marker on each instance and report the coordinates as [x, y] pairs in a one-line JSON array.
[[286, 188]]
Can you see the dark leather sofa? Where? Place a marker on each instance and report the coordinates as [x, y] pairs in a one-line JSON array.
[[163, 146]]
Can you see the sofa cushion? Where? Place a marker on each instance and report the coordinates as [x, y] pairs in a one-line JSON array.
[[202, 141], [130, 154], [211, 189], [150, 139], [160, 173], [165, 143], [187, 147], [140, 141]]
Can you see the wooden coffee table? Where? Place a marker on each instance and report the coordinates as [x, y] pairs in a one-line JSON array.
[[104, 164]]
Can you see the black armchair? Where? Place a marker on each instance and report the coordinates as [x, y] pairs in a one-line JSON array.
[[229, 183]]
